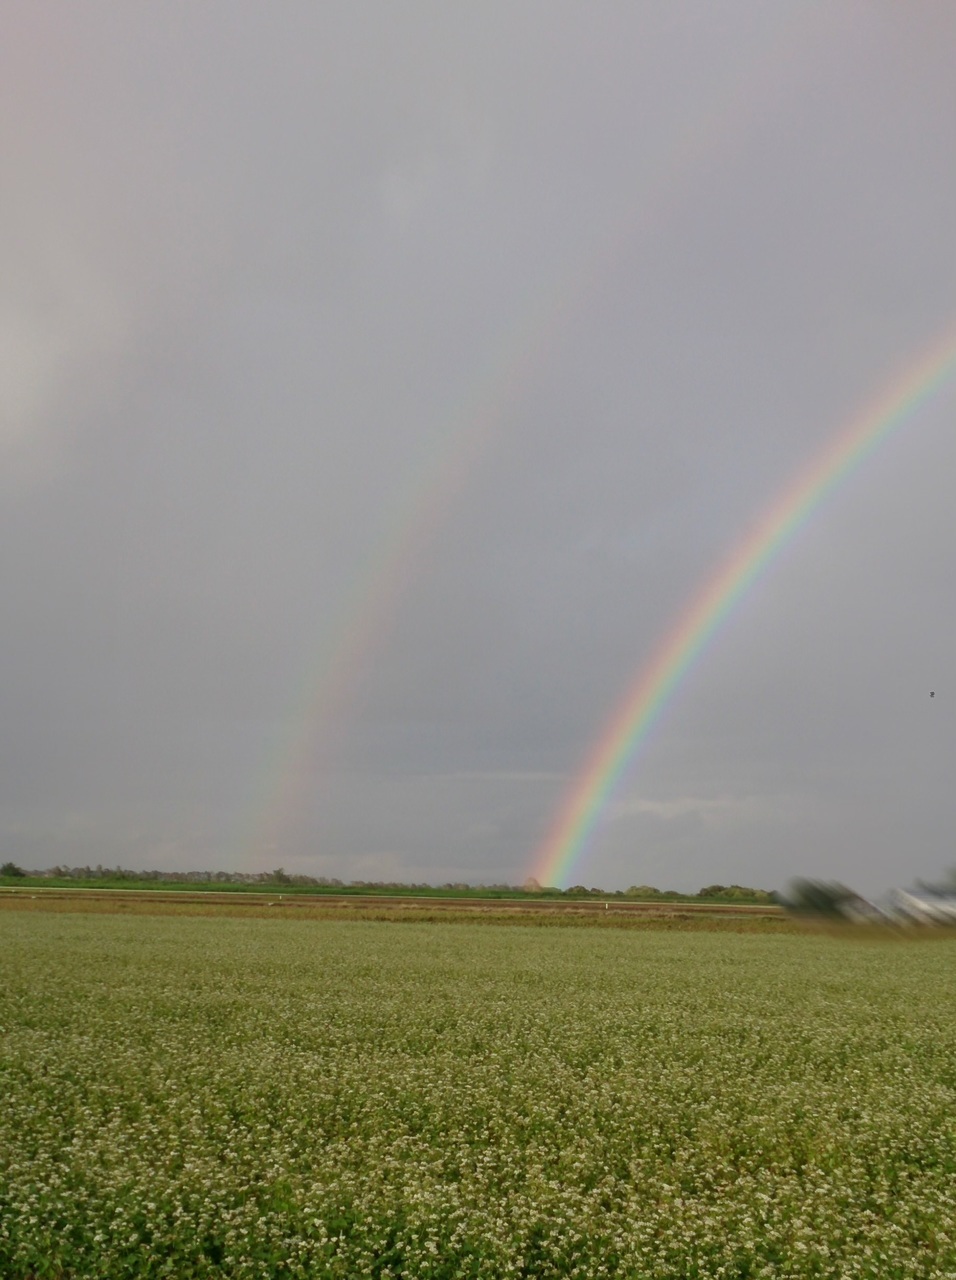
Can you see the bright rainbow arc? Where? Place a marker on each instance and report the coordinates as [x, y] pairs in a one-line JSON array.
[[657, 681], [365, 613]]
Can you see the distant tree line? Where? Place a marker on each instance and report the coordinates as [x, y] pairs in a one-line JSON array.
[[282, 878]]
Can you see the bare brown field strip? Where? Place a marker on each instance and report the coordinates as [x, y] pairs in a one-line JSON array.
[[302, 900], [400, 911]]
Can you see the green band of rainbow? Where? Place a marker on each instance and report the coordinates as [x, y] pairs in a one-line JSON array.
[[645, 701]]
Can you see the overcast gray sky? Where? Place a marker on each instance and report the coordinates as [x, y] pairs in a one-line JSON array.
[[377, 385]]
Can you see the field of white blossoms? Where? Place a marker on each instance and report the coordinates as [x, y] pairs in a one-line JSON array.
[[215, 1097]]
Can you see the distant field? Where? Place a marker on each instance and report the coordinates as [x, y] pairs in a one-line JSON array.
[[231, 1096], [613, 913]]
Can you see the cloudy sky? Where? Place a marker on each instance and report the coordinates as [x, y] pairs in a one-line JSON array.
[[379, 383]]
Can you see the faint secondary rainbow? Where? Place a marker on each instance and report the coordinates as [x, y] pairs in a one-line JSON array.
[[363, 615], [627, 731]]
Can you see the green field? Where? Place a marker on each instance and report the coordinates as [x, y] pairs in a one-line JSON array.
[[256, 1097]]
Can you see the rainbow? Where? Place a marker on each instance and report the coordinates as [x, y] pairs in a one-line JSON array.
[[657, 680], [363, 615], [360, 619]]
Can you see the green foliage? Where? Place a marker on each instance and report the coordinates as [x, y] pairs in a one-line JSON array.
[[11, 871], [734, 893], [257, 882], [251, 1098]]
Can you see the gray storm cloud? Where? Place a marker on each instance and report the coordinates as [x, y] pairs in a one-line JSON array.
[[377, 386]]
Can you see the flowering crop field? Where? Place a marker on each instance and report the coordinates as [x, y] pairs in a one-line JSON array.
[[219, 1097]]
